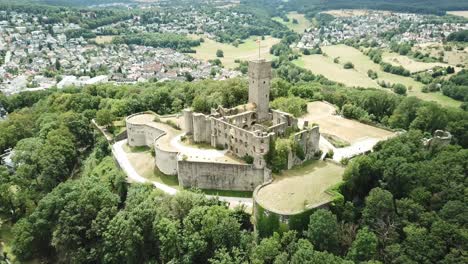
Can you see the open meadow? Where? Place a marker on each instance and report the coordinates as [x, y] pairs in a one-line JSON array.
[[302, 22], [457, 56], [324, 65], [409, 63], [245, 51]]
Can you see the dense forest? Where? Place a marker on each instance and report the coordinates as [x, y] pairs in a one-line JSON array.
[[412, 6]]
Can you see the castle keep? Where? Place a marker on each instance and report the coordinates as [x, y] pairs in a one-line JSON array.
[[240, 133]]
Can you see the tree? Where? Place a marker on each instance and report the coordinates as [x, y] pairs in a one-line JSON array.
[[104, 117], [361, 176], [348, 65], [364, 247], [305, 254], [399, 89], [323, 230], [219, 53]]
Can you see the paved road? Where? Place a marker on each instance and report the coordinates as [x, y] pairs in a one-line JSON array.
[[355, 149], [127, 167]]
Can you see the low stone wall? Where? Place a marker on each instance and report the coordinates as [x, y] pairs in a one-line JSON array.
[[221, 176]]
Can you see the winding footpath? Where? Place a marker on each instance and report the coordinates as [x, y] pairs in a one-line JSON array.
[[124, 163]]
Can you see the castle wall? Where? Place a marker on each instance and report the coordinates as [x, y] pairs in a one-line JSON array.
[[188, 120], [309, 140], [220, 176], [166, 161], [201, 128]]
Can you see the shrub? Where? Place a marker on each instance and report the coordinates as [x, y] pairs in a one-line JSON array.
[[330, 154], [348, 65], [399, 89], [248, 159], [219, 53]]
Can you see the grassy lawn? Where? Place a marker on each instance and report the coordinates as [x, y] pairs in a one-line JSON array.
[[143, 162], [336, 141], [245, 51], [303, 23], [295, 189], [321, 64]]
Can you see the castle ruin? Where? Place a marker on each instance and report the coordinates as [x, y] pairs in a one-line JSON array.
[[243, 132]]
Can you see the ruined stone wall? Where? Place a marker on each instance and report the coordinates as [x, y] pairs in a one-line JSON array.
[[308, 139], [240, 142], [220, 176], [201, 128]]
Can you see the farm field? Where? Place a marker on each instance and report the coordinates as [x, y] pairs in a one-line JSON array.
[[245, 51], [303, 23], [350, 12], [459, 13], [349, 130], [408, 63], [302, 186], [320, 64]]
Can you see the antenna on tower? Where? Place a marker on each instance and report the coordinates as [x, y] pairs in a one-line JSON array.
[[258, 42]]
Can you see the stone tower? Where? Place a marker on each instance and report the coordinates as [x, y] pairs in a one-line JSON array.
[[259, 86]]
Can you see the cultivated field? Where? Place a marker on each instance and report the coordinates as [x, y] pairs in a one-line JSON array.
[[349, 130], [408, 63], [459, 13], [324, 65], [301, 187], [245, 51], [351, 12], [303, 23]]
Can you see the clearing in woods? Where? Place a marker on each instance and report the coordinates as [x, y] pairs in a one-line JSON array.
[[245, 51], [302, 187], [324, 65], [302, 22]]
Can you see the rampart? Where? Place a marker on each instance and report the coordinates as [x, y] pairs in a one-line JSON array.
[[221, 176]]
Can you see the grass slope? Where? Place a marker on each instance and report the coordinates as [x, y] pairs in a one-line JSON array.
[[320, 64]]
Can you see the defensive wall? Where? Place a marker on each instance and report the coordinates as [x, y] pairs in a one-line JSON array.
[[221, 176], [142, 130]]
